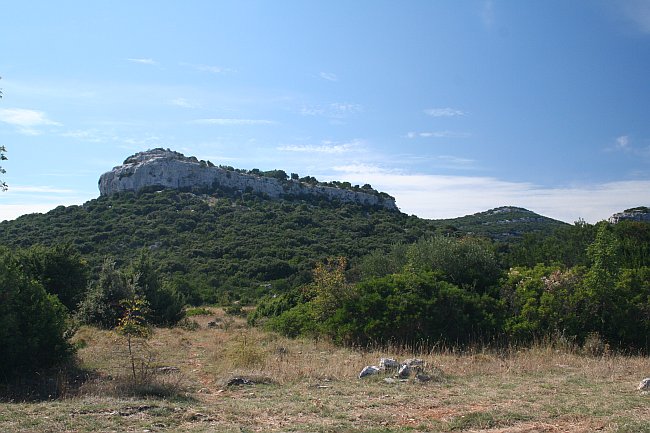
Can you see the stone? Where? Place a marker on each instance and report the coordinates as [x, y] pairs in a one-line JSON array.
[[168, 370], [159, 169], [404, 371], [238, 381], [369, 370], [388, 364], [414, 362], [644, 385]]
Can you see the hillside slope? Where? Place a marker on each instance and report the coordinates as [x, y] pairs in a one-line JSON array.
[[228, 241]]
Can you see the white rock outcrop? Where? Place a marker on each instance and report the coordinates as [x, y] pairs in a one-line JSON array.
[[160, 168], [639, 214]]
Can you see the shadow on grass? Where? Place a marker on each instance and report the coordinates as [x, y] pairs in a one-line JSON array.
[[62, 382]]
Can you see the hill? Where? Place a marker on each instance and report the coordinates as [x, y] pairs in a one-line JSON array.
[[222, 241], [504, 223]]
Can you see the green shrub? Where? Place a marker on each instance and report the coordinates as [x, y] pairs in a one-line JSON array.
[[33, 323], [414, 308]]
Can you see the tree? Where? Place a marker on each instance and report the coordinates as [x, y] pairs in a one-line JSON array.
[[60, 269], [34, 327], [166, 305], [133, 326], [101, 305], [3, 185]]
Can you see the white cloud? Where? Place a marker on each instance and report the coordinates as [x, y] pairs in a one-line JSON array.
[[231, 122], [90, 135], [329, 76], [25, 118], [626, 144], [444, 112], [182, 102], [335, 110], [345, 107], [328, 147], [437, 197], [211, 69], [438, 134], [143, 61]]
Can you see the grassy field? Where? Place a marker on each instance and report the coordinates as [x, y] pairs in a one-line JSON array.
[[307, 386]]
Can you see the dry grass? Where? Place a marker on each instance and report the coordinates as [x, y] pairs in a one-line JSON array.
[[302, 385]]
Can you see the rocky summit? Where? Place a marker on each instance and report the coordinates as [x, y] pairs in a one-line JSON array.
[[160, 168], [640, 214]]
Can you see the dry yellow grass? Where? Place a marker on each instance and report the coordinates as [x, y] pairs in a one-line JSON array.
[[302, 385]]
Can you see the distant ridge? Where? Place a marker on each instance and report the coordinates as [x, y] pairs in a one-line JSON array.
[[166, 169], [504, 223], [640, 214]]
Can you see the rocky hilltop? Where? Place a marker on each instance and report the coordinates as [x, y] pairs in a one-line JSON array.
[[641, 213], [160, 168]]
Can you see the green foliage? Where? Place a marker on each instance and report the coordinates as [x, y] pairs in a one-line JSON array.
[[415, 308], [101, 306], [296, 321], [60, 269], [542, 301], [205, 246], [567, 245], [166, 305], [328, 289], [197, 311], [133, 325], [602, 299], [469, 262], [380, 263], [33, 324]]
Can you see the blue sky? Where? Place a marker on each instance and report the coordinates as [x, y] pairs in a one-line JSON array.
[[452, 107]]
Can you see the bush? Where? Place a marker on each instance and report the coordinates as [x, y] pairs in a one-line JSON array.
[[33, 324], [60, 269], [414, 308], [101, 307]]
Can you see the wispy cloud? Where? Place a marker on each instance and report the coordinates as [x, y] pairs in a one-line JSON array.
[[143, 61], [438, 134], [335, 110], [437, 197], [233, 122], [24, 117], [26, 120], [182, 102], [626, 144], [328, 147], [623, 142], [89, 135], [329, 76], [444, 112]]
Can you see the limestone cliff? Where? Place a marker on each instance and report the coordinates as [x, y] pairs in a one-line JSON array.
[[641, 213], [160, 168]]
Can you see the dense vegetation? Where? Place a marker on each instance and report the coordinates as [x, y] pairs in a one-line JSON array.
[[458, 291], [225, 246], [358, 275]]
